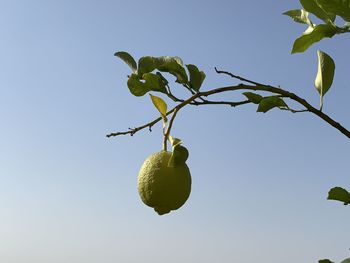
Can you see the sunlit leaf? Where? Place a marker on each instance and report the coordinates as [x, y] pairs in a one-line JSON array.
[[128, 59], [253, 97], [339, 194], [154, 82], [160, 104], [313, 7], [325, 74], [196, 77], [174, 141], [269, 103], [336, 7], [146, 64], [346, 260], [136, 86], [313, 35], [178, 156], [149, 82], [174, 66], [299, 15]]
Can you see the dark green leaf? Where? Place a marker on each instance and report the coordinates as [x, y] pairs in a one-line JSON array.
[[136, 86], [313, 7], [299, 15], [346, 260], [325, 74], [179, 155], [160, 104], [146, 64], [313, 35], [128, 59], [154, 82], [339, 194], [336, 7], [150, 82], [325, 261], [253, 97], [196, 77], [269, 103], [174, 66]]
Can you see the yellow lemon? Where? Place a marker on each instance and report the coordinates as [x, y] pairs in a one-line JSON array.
[[163, 185]]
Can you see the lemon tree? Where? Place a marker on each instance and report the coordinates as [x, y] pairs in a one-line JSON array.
[[164, 180]]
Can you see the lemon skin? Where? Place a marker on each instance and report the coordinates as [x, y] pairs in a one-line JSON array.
[[161, 186]]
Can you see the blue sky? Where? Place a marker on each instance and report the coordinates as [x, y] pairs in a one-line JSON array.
[[260, 181]]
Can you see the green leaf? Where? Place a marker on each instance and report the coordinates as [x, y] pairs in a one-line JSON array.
[[154, 82], [313, 35], [174, 141], [136, 86], [196, 77], [325, 74], [128, 59], [253, 97], [269, 103], [299, 15], [178, 156], [160, 104], [325, 261], [312, 6], [150, 82], [165, 59], [174, 66], [336, 7], [347, 260], [339, 194], [146, 64]]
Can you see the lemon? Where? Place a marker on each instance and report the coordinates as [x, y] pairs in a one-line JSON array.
[[163, 185]]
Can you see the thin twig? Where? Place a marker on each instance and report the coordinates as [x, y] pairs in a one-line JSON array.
[[293, 111], [229, 103], [238, 77]]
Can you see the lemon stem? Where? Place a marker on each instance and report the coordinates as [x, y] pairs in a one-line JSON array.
[[165, 145], [167, 133]]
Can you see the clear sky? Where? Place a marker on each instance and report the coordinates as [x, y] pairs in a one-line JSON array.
[[260, 181]]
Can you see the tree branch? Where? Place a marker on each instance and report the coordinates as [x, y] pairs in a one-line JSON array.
[[254, 86]]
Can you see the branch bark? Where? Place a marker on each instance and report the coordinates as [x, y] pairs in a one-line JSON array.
[[253, 86]]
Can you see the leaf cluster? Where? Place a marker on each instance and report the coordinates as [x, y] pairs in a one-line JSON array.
[[147, 73], [324, 10]]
